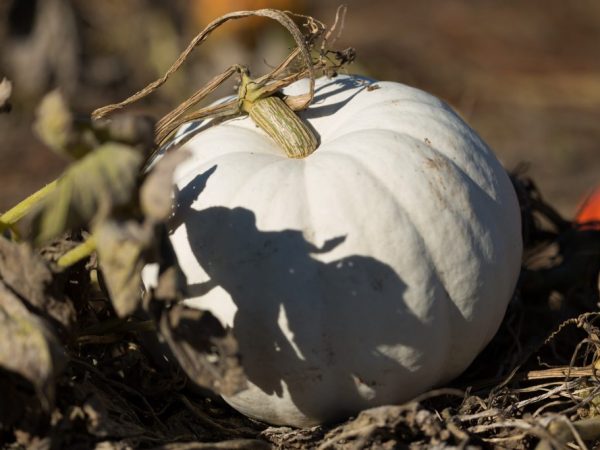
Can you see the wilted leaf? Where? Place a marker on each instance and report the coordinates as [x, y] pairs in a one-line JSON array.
[[5, 93], [56, 127], [121, 247], [27, 346], [89, 190], [27, 275], [156, 194], [206, 351], [54, 122], [74, 137]]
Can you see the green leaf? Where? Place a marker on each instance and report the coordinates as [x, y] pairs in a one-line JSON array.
[[88, 191]]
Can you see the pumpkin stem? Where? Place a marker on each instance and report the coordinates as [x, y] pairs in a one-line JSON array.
[[276, 118]]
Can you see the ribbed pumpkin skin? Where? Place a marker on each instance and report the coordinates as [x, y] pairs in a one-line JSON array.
[[364, 274]]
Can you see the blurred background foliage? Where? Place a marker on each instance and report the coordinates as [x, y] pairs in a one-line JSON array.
[[526, 75]]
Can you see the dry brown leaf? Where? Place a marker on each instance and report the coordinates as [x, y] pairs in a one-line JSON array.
[[28, 347], [125, 247], [156, 194], [121, 248], [26, 274]]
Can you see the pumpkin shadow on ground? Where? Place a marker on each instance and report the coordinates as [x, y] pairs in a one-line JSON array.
[[342, 314]]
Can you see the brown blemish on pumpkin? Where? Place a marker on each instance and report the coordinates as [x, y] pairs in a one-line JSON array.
[[373, 87], [427, 141], [435, 163], [436, 178]]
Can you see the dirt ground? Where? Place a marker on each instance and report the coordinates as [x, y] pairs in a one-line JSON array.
[[524, 74]]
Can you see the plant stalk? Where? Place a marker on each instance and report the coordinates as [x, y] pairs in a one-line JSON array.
[[17, 212]]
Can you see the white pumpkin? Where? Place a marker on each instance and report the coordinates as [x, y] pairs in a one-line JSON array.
[[366, 273]]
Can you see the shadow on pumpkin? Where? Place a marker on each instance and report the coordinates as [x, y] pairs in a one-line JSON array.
[[340, 313]]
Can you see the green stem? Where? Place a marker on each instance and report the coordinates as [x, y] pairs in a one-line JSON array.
[[276, 118], [17, 212], [78, 253]]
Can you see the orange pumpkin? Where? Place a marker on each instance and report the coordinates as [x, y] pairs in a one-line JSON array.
[[589, 211], [205, 11]]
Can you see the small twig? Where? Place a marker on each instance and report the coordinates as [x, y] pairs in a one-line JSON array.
[[205, 418], [459, 434], [480, 415], [121, 386], [537, 387], [281, 68], [538, 412], [531, 429], [559, 372], [563, 430], [498, 440], [337, 27], [551, 393]]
